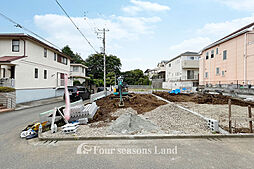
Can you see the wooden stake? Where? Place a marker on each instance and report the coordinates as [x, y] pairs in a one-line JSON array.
[[235, 126], [229, 116], [250, 115]]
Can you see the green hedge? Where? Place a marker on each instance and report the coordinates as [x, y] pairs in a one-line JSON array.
[[6, 89]]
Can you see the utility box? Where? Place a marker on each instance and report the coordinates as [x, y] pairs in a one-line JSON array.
[[213, 125]]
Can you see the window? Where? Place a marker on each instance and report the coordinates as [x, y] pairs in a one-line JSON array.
[[191, 58], [15, 45], [54, 56], [212, 54], [45, 52], [36, 72], [83, 70], [62, 59], [45, 74], [75, 68], [3, 70], [223, 73], [190, 74], [169, 65], [224, 55], [217, 51], [206, 74], [207, 55], [217, 71]]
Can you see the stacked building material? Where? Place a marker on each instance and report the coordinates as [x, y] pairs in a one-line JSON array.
[[80, 112]]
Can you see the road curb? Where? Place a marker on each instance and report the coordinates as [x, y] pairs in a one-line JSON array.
[[136, 137]]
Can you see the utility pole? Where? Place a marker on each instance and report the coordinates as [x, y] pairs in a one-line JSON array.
[[104, 54]]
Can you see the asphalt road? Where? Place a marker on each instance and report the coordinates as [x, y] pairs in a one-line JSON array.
[[164, 153]]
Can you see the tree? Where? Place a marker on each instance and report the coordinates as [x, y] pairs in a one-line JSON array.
[[95, 64], [111, 77], [76, 83], [76, 57], [135, 77]]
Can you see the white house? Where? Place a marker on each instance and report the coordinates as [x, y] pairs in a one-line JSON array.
[[35, 69], [78, 72], [182, 71], [150, 73], [158, 72]]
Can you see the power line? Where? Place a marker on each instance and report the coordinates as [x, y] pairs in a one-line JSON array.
[[76, 26], [27, 30]]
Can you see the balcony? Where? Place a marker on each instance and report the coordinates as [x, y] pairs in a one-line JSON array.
[[7, 82], [189, 78], [190, 64], [78, 74], [60, 83]]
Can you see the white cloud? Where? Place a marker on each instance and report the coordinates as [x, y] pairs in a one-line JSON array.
[[209, 33], [193, 45], [144, 6], [122, 30], [221, 29], [239, 4]]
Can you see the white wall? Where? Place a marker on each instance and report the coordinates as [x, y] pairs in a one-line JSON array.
[[176, 72], [173, 70], [6, 48], [25, 67]]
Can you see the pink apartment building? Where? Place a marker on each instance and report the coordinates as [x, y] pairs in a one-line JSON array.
[[229, 60]]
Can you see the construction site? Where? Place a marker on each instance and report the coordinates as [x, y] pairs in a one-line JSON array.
[[123, 112], [161, 113]]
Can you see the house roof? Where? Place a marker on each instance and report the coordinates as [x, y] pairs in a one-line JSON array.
[[147, 70], [29, 37], [230, 36], [10, 58], [184, 54]]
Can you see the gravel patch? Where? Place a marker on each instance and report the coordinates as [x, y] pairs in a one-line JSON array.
[[220, 113], [129, 123], [173, 120]]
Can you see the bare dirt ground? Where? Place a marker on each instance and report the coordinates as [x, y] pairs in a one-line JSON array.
[[202, 98], [215, 107], [140, 102]]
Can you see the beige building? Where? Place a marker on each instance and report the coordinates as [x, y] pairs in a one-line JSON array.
[[182, 71], [229, 60], [78, 72], [35, 69]]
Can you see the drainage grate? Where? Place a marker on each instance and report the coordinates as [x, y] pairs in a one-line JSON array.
[[46, 143], [214, 139]]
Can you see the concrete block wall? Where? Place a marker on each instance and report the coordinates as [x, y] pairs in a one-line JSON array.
[[8, 99]]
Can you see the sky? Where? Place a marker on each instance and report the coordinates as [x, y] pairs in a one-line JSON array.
[[141, 32]]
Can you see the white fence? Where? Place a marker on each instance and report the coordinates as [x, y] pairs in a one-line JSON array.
[[99, 95], [7, 82]]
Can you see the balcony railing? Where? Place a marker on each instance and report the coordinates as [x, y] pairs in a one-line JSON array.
[[195, 77], [60, 82], [7, 82], [190, 64], [184, 78]]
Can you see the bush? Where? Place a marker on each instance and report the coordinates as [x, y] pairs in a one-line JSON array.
[[6, 89], [76, 83]]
